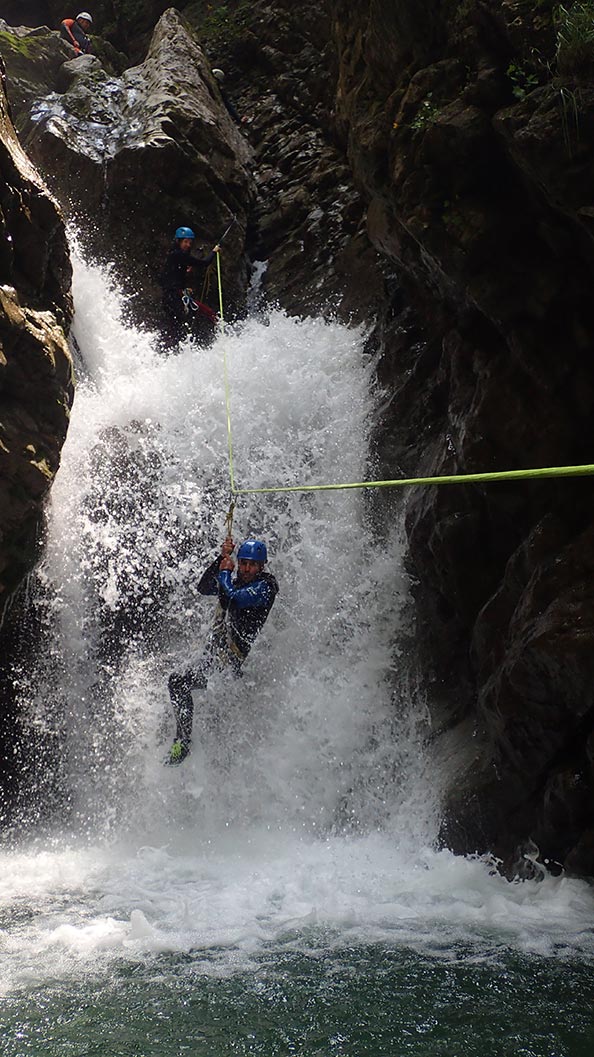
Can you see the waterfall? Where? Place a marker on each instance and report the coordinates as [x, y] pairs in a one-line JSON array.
[[321, 734], [301, 831]]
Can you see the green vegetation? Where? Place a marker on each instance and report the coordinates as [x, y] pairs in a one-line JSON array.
[[575, 64], [570, 119], [22, 45], [522, 80], [426, 115], [575, 38], [453, 219], [220, 23], [538, 5]]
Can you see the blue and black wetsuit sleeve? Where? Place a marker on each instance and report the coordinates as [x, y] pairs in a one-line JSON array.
[[257, 594], [209, 583], [202, 262]]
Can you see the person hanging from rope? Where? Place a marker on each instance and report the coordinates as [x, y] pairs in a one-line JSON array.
[[244, 603], [75, 31], [181, 275]]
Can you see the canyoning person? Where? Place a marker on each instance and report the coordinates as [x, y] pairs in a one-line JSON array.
[[182, 279], [244, 603], [230, 107], [75, 31]]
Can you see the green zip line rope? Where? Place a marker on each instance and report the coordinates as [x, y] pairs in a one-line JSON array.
[[227, 396], [460, 478], [401, 482]]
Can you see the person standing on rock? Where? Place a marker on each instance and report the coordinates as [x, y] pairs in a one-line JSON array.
[[181, 275], [75, 30], [243, 607], [230, 107]]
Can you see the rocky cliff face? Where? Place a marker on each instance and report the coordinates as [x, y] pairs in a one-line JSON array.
[[469, 129], [98, 136], [427, 165], [133, 157], [36, 385], [35, 365]]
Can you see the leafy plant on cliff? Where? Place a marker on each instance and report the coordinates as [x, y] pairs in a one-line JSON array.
[[453, 219], [575, 64], [426, 115], [522, 80]]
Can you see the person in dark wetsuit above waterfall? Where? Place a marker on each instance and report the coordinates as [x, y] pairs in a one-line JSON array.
[[229, 105], [243, 607], [181, 278]]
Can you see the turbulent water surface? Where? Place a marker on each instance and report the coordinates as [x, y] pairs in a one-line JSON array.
[[282, 891]]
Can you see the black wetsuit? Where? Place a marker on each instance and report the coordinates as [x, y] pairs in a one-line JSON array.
[[180, 272], [230, 107], [242, 612]]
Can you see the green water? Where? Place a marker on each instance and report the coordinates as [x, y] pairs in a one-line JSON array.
[[363, 1001]]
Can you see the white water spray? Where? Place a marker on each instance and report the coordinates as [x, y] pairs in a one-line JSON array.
[[306, 739], [306, 801]]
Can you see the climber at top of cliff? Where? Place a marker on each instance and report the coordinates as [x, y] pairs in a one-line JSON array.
[[75, 30], [179, 278], [229, 105]]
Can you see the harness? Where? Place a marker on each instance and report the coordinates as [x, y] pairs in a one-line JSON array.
[[223, 640], [191, 305]]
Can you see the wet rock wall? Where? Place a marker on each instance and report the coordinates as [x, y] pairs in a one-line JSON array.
[[470, 131], [36, 392]]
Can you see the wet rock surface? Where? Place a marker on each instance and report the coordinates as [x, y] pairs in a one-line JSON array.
[[35, 365], [464, 137], [289, 183], [36, 390], [133, 157]]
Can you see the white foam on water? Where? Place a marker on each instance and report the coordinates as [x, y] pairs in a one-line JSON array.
[[306, 816], [244, 895]]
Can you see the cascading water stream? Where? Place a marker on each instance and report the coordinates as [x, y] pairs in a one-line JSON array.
[[293, 854]]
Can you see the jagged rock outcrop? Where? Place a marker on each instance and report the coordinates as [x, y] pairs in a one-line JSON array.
[[35, 364], [308, 219], [126, 24], [36, 390], [131, 158], [33, 57]]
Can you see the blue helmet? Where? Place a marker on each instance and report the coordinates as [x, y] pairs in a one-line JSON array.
[[184, 233], [253, 550]]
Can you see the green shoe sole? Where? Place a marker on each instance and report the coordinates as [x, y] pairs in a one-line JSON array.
[[177, 753]]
